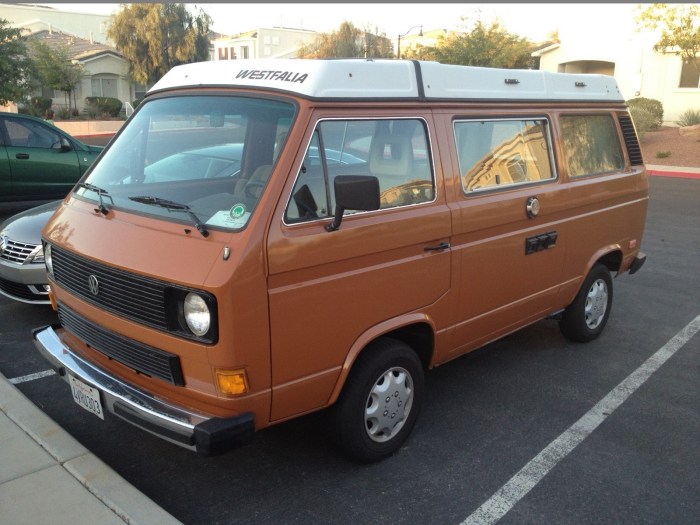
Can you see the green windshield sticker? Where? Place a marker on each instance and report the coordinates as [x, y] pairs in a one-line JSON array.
[[237, 217], [238, 211]]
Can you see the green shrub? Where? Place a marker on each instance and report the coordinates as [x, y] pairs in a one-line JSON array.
[[643, 120], [102, 106], [690, 117], [651, 105], [136, 102], [663, 154], [37, 106]]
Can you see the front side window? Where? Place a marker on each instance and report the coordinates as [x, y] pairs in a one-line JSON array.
[[501, 153], [29, 134], [393, 150], [187, 157], [591, 145]]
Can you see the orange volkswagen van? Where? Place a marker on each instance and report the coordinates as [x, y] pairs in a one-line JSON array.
[[265, 239]]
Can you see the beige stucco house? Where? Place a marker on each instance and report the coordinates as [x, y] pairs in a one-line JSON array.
[[106, 71], [613, 45]]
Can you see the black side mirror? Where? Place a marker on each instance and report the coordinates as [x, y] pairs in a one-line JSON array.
[[354, 192]]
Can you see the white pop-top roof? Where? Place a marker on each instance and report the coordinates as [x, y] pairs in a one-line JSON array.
[[392, 79]]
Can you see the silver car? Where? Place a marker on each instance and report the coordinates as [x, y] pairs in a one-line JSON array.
[[22, 271]]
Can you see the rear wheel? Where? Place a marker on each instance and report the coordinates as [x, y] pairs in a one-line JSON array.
[[584, 319], [380, 401]]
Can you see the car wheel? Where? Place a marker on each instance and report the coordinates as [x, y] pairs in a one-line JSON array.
[[380, 401], [585, 318]]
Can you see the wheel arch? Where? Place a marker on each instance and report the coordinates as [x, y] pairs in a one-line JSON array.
[[415, 330]]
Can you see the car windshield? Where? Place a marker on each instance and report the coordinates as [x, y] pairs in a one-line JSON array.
[[196, 159]]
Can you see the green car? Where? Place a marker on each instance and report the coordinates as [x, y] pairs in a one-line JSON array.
[[38, 161]]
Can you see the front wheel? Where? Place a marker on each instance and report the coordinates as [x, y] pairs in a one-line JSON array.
[[584, 319], [380, 401]]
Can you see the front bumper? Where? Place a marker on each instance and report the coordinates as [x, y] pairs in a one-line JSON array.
[[24, 282], [195, 431]]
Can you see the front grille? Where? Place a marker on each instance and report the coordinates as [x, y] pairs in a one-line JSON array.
[[631, 140], [18, 252], [138, 356], [134, 297], [22, 291]]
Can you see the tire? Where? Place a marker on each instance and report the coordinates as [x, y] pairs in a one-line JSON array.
[[585, 318], [380, 402]]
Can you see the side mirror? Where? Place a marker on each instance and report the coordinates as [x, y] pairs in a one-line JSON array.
[[354, 192], [63, 145]]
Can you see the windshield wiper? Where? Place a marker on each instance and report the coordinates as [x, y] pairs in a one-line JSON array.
[[172, 206], [100, 192]]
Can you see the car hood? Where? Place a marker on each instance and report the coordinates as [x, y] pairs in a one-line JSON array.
[[26, 226]]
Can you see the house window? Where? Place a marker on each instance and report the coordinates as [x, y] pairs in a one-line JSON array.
[[690, 75], [245, 53], [104, 86]]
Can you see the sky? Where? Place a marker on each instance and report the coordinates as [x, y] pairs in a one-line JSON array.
[[532, 20]]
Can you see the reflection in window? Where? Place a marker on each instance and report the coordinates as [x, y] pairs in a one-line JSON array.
[[591, 144], [500, 153], [31, 135], [394, 151]]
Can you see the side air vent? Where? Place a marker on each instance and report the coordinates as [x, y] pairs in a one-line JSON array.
[[631, 141]]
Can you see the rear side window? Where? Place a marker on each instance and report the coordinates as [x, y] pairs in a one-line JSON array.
[[591, 144], [502, 153], [393, 150]]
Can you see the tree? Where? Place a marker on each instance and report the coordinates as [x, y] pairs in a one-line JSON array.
[[154, 38], [14, 65], [54, 68], [348, 42], [485, 46], [680, 29]]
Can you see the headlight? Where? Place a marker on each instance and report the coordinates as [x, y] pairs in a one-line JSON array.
[[48, 260], [196, 311]]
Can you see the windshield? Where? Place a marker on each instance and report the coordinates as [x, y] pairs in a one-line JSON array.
[[193, 159]]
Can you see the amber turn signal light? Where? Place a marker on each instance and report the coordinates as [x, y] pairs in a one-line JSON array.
[[232, 382]]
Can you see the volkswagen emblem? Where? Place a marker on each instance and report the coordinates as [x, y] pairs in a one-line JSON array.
[[94, 285]]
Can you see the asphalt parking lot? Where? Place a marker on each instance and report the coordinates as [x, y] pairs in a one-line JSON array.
[[530, 429]]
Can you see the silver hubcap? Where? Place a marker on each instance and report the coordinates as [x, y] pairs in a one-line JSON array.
[[596, 304], [388, 404]]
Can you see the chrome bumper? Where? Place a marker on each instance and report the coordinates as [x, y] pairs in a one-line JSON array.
[[195, 431]]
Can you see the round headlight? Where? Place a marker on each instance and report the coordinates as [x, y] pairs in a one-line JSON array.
[[48, 260], [197, 314]]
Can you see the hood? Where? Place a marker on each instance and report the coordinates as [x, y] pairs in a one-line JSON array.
[[26, 226]]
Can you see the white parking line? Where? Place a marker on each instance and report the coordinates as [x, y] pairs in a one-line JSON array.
[[31, 377], [531, 474]]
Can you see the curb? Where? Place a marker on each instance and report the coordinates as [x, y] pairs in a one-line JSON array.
[[673, 171], [93, 475]]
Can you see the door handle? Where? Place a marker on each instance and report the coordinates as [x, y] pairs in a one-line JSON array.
[[438, 247], [22, 156]]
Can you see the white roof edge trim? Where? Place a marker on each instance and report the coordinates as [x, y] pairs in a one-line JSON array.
[[391, 79]]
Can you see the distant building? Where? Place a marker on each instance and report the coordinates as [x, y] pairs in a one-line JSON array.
[[36, 18], [106, 71], [274, 42], [620, 50], [85, 37]]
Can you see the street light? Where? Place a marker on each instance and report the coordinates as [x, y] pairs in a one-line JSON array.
[[407, 32]]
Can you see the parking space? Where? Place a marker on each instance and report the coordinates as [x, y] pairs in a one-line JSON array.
[[615, 456]]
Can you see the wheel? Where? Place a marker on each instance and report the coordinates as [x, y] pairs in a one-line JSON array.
[[584, 319], [380, 402]]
